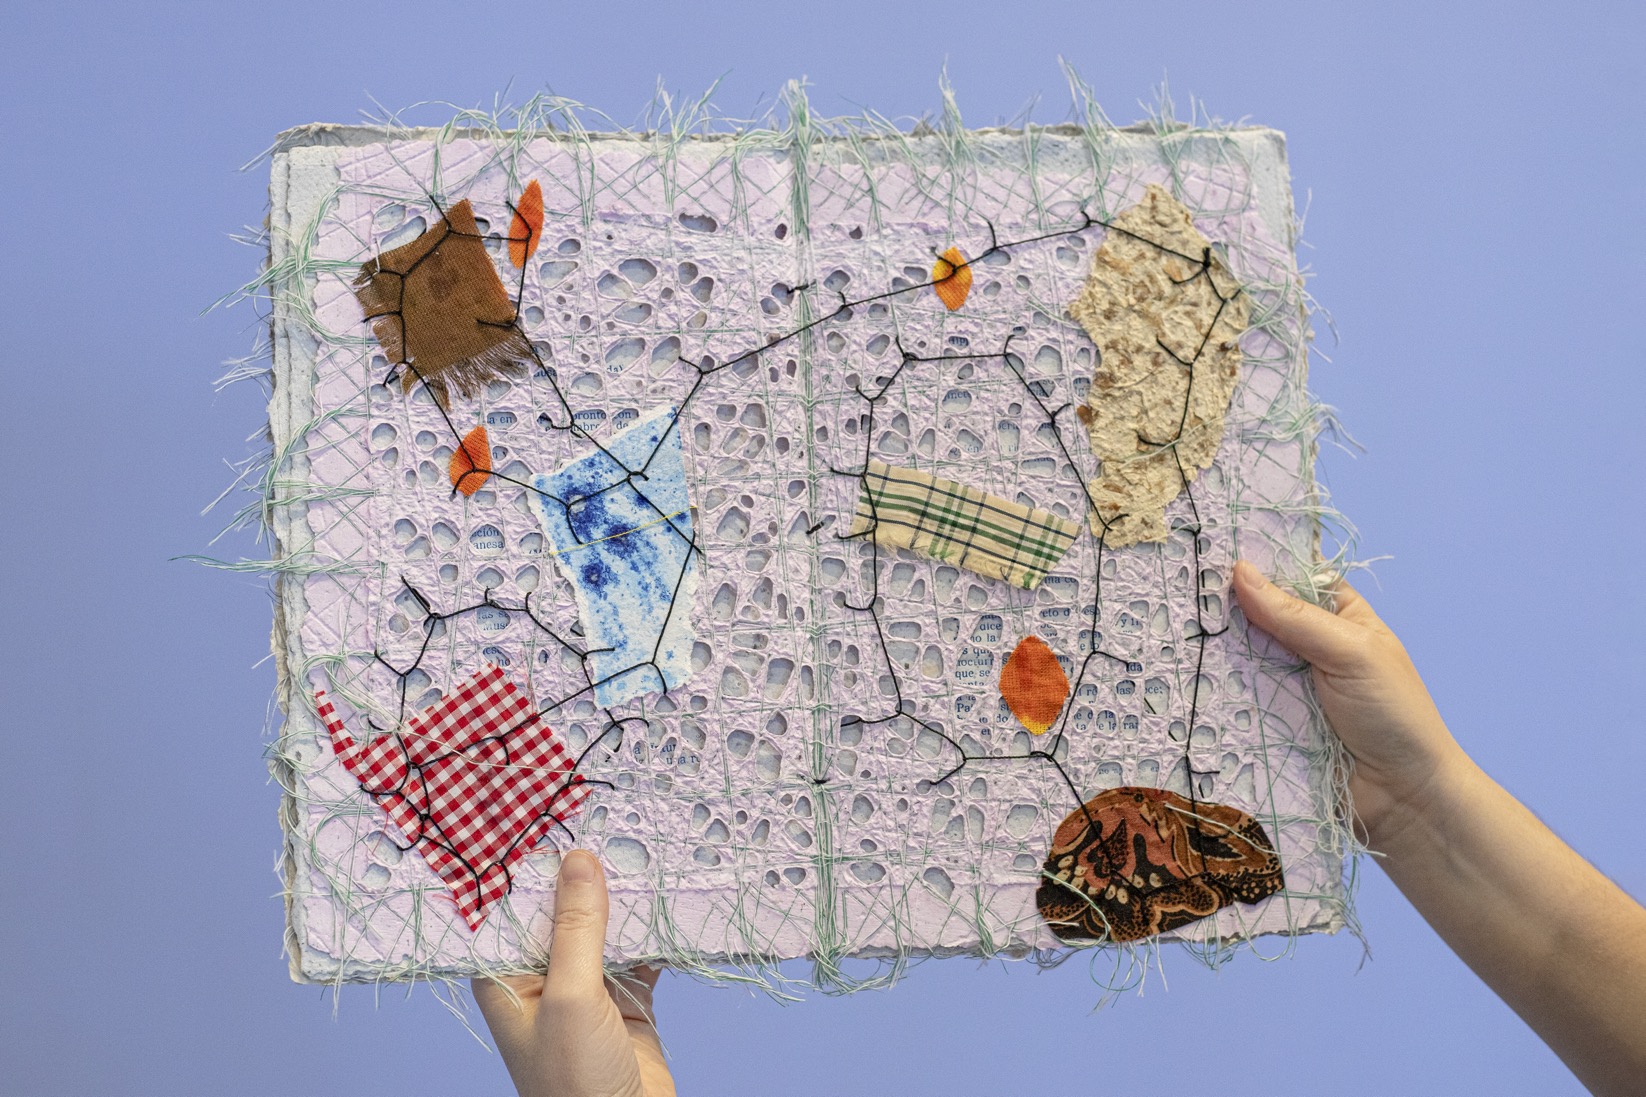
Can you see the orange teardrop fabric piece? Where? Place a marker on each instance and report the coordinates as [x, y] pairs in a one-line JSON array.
[[952, 276], [527, 228], [472, 463], [1034, 685]]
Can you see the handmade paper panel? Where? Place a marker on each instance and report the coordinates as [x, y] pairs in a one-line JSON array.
[[829, 527]]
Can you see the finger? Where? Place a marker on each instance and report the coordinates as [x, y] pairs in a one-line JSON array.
[[646, 973], [641, 979], [508, 1003], [1309, 632], [577, 952], [632, 991], [1348, 603]]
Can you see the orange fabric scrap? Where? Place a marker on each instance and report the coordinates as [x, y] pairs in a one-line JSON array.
[[527, 228], [952, 276], [1034, 685], [471, 465]]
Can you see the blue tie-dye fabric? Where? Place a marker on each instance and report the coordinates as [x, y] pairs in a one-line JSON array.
[[625, 551]]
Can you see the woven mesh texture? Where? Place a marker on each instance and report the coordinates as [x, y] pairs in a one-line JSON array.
[[839, 777]]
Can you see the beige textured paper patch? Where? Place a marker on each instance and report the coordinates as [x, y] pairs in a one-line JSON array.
[[1166, 316]]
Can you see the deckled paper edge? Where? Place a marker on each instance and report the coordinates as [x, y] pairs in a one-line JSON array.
[[303, 171]]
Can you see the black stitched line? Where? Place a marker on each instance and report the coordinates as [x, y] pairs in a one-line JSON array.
[[1201, 634], [844, 308]]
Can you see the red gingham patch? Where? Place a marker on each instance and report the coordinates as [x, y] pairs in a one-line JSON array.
[[474, 783]]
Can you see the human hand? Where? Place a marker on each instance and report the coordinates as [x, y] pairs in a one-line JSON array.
[[573, 1032], [1555, 938], [1372, 695]]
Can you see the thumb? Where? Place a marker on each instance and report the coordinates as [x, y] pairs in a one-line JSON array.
[[1307, 631], [577, 951]]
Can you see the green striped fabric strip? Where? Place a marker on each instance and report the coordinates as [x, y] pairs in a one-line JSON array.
[[959, 525]]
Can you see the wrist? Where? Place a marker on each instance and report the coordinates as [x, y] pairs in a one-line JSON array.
[[1419, 815]]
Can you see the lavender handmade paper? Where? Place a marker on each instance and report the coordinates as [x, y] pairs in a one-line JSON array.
[[789, 797]]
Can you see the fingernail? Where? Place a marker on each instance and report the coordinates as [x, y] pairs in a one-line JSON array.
[[579, 867], [1254, 577]]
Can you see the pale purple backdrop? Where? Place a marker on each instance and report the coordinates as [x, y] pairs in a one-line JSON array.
[[1478, 235]]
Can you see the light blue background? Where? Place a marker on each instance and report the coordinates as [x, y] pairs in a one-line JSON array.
[[1478, 231]]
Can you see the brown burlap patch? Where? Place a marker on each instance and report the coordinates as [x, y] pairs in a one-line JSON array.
[[439, 310]]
